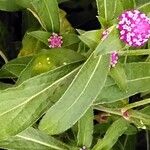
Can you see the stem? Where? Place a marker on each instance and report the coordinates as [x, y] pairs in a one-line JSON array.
[[147, 139], [136, 104], [134, 52], [108, 110], [133, 113], [3, 56]]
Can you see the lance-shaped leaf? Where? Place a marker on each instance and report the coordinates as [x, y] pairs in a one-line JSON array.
[[33, 139], [109, 10], [79, 96], [138, 79], [85, 129], [22, 105], [119, 76], [47, 13], [112, 135]]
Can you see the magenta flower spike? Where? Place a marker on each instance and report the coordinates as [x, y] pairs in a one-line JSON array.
[[134, 28], [114, 59], [55, 41]]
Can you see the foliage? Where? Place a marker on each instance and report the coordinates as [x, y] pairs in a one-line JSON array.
[[69, 97]]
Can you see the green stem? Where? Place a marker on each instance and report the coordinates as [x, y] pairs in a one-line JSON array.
[[136, 104], [108, 110], [3, 56], [134, 52], [133, 113]]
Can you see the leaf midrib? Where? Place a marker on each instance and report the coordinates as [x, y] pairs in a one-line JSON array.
[[39, 142], [76, 100], [49, 14]]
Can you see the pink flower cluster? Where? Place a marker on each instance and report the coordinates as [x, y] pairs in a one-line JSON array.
[[134, 28], [114, 59], [55, 41]]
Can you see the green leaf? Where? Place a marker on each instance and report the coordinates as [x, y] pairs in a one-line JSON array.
[[119, 76], [109, 10], [22, 105], [30, 46], [111, 43], [33, 139], [141, 120], [4, 86], [91, 38], [85, 129], [49, 60], [17, 65], [24, 3], [138, 79], [68, 39], [112, 135], [65, 26], [9, 5], [47, 13], [141, 2], [79, 96], [128, 4], [6, 74], [144, 7]]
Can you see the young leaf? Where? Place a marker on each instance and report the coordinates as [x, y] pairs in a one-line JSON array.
[[112, 135], [22, 105], [85, 129], [79, 96], [33, 139], [47, 13], [119, 76]]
